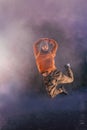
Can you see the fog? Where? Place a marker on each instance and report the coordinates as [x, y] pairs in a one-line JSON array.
[[22, 22]]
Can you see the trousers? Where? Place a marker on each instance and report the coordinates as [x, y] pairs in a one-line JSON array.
[[55, 78]]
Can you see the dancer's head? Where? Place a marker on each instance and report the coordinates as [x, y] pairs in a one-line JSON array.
[[44, 46]]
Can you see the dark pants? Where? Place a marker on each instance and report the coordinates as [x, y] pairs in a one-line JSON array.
[[55, 78]]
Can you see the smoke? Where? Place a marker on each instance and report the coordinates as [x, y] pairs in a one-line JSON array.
[[22, 22], [15, 50]]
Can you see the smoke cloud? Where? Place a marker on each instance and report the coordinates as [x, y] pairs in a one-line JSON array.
[[22, 22]]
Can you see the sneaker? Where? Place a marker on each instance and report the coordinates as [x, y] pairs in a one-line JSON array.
[[67, 66], [64, 90]]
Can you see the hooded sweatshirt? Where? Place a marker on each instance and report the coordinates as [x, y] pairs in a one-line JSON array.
[[45, 61]]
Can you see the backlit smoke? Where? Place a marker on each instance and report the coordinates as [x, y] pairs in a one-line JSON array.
[[22, 22], [15, 54]]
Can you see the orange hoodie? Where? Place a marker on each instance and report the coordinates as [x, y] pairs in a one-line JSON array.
[[45, 61]]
